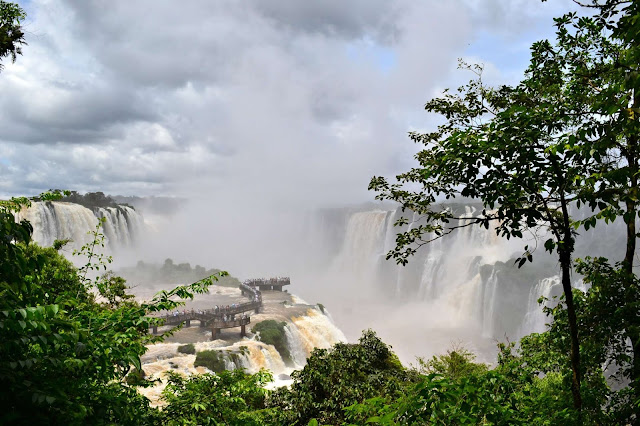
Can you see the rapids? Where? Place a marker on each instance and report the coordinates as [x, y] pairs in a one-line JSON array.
[[306, 328]]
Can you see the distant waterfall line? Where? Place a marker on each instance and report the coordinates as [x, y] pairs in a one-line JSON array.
[[56, 220]]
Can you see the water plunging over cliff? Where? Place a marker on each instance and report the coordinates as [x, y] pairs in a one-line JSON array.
[[55, 220], [468, 277]]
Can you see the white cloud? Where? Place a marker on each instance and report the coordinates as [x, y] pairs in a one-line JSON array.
[[282, 101]]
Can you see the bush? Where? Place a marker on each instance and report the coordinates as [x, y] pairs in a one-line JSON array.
[[187, 349], [336, 378], [135, 377], [213, 360], [272, 333]]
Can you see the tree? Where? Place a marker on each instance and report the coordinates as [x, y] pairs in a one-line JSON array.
[[229, 397], [11, 34], [456, 363], [504, 147], [336, 378], [567, 133], [52, 326], [604, 55]]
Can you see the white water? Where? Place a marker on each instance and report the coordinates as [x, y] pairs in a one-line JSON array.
[[304, 333], [445, 272], [462, 288], [535, 320], [60, 220]]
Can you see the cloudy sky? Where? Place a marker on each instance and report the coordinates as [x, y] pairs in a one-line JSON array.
[[280, 100]]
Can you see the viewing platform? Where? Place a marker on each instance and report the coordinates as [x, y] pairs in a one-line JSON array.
[[216, 319], [265, 284], [227, 316]]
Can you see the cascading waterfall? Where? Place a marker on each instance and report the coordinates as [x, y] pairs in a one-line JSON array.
[[362, 246], [297, 350], [60, 220], [470, 274], [309, 331], [304, 333], [489, 304], [445, 271], [535, 320]]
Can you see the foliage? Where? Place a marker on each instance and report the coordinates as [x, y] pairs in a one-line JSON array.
[[272, 332], [52, 326], [135, 377], [11, 33], [213, 360], [113, 289], [336, 378], [610, 319], [172, 273], [456, 363], [189, 349], [90, 199], [230, 397], [567, 132], [469, 400]]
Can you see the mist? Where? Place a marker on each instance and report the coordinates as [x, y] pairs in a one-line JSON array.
[[259, 116]]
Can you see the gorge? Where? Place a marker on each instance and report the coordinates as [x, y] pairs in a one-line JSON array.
[[462, 288]]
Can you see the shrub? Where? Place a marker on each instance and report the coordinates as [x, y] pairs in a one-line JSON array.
[[187, 349], [135, 377], [213, 360], [271, 332]]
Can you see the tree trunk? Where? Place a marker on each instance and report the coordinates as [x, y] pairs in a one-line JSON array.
[[565, 266], [633, 331], [563, 232]]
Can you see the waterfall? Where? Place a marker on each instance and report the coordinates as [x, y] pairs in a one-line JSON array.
[[489, 304], [60, 220], [309, 331], [535, 320], [295, 346], [362, 247], [456, 272], [304, 333]]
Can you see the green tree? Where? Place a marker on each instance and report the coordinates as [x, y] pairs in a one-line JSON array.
[[11, 34], [512, 162], [567, 132], [603, 56], [456, 363], [336, 378], [52, 326], [229, 397]]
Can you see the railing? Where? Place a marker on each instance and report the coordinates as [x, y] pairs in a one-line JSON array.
[[210, 314], [279, 281], [215, 317]]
